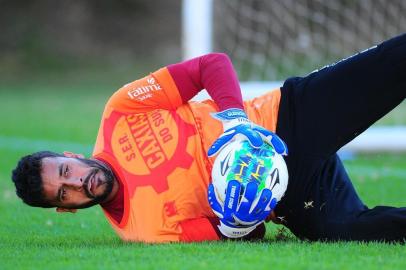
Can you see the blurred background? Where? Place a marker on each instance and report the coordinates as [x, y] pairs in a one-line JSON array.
[[53, 51], [60, 60], [77, 38], [267, 40]]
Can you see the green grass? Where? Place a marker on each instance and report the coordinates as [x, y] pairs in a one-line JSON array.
[[41, 239]]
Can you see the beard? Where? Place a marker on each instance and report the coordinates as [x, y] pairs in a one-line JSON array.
[[107, 182]]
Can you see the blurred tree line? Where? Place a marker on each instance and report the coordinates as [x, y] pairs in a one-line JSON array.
[[59, 35]]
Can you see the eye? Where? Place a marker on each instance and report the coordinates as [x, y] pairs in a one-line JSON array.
[[66, 171], [63, 194]]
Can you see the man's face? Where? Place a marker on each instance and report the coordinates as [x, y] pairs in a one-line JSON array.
[[75, 183]]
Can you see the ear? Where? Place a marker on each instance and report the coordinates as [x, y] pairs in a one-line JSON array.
[[72, 155], [65, 210]]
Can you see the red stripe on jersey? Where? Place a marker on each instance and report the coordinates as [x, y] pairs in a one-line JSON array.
[[199, 229]]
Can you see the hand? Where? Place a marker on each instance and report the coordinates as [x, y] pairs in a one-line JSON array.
[[237, 124], [239, 217]]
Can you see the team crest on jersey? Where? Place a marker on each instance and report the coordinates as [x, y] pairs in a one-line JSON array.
[[148, 146]]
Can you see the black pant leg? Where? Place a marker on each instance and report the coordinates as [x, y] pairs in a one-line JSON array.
[[381, 223], [324, 205], [320, 113], [345, 217], [320, 193], [328, 108]]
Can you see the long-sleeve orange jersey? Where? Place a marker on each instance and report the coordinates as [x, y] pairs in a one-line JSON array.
[[157, 146]]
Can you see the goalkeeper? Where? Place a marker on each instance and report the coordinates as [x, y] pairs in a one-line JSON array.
[[150, 171]]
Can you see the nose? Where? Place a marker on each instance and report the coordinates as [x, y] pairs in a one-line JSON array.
[[75, 182]]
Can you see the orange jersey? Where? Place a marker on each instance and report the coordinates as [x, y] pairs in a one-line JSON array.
[[157, 146]]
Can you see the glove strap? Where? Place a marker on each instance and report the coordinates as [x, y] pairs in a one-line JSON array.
[[231, 118], [229, 114]]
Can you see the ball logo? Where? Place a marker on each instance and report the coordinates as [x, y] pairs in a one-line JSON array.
[[226, 161], [274, 178], [148, 146]]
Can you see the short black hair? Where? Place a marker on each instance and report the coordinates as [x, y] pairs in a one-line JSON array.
[[27, 179]]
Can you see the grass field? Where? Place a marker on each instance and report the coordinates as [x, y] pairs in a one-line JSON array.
[[66, 117]]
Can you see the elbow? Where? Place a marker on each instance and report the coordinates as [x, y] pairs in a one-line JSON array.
[[218, 56], [216, 59]]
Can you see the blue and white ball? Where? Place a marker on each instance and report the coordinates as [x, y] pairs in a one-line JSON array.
[[240, 161]]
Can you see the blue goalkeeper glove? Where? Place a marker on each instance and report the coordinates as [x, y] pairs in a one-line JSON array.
[[239, 217], [237, 125]]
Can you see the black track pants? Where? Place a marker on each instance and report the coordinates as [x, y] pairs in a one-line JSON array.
[[318, 115]]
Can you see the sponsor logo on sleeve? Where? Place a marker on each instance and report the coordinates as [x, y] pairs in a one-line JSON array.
[[144, 91]]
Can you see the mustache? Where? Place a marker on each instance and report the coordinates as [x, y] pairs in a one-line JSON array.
[[97, 167], [86, 182]]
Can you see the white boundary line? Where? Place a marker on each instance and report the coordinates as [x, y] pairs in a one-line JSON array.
[[375, 139], [31, 145], [358, 145], [380, 172]]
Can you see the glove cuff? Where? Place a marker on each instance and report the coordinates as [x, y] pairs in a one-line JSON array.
[[235, 232]]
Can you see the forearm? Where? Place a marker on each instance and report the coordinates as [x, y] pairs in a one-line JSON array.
[[213, 72]]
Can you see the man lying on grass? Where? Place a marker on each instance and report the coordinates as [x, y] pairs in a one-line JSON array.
[[150, 169]]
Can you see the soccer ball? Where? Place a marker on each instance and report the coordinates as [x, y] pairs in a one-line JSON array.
[[240, 161]]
